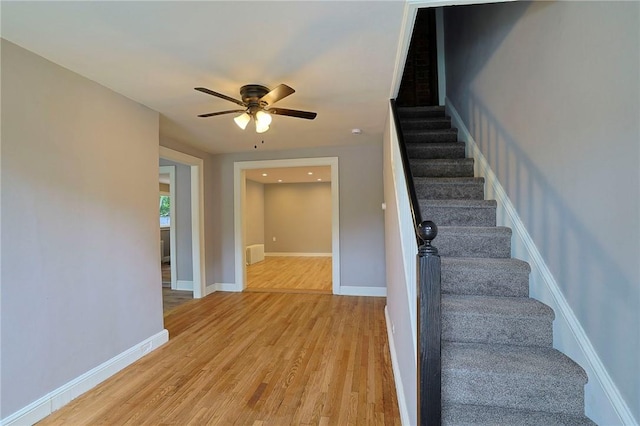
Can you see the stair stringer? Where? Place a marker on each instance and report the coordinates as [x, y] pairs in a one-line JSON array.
[[603, 402]]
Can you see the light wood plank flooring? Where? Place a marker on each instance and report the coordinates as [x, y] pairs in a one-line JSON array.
[[290, 274], [171, 299], [255, 359], [166, 274]]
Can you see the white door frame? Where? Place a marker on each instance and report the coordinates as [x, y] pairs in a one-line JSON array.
[[197, 215], [171, 170], [239, 190]]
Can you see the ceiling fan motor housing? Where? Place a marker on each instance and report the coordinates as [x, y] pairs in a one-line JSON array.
[[251, 94]]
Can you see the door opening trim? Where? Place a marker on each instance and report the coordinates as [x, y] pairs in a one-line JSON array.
[[197, 214], [239, 188]]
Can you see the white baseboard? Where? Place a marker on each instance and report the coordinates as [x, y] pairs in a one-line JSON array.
[[184, 285], [58, 398], [603, 402], [397, 378], [298, 254], [210, 288], [227, 287], [363, 291]]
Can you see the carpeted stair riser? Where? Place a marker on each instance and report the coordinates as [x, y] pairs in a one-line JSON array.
[[473, 415], [429, 136], [485, 277], [447, 150], [449, 188], [520, 377], [460, 167], [460, 212], [498, 366], [496, 320], [420, 112], [425, 123], [474, 241]]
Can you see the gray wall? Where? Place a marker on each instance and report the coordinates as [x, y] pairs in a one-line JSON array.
[[182, 221], [79, 226], [299, 216], [361, 218], [551, 93], [254, 233]]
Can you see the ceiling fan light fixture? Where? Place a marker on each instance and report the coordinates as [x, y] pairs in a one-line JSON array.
[[264, 118], [242, 120], [261, 127], [257, 101]]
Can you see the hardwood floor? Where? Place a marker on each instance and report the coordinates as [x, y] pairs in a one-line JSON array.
[[290, 274], [166, 274], [171, 299], [255, 359]]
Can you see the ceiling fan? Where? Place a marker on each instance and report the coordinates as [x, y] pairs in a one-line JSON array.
[[257, 102]]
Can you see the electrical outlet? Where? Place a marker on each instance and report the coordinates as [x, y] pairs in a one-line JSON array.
[[274, 238]]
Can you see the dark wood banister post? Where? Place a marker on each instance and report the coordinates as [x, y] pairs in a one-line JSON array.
[[429, 320], [428, 277]]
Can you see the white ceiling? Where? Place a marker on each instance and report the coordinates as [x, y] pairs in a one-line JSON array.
[[338, 56]]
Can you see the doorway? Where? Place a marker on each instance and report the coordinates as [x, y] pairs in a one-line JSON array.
[[287, 220], [241, 170], [167, 180], [195, 228]]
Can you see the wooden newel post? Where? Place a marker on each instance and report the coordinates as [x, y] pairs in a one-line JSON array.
[[429, 327]]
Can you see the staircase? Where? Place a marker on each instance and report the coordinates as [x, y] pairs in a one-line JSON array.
[[498, 364]]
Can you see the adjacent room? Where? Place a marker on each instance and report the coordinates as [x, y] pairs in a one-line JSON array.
[[288, 230]]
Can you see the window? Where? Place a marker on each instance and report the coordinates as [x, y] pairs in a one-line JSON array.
[[165, 211]]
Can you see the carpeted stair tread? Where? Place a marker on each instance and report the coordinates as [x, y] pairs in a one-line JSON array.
[[520, 377], [479, 415], [424, 111], [417, 150], [455, 212], [471, 188], [447, 167], [476, 204], [429, 136], [502, 320], [485, 276], [425, 123], [474, 241], [498, 366]]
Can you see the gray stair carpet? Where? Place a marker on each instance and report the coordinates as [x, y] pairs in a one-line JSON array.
[[498, 364]]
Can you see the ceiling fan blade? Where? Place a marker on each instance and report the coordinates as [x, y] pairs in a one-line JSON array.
[[211, 114], [293, 113], [280, 92], [219, 95]]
